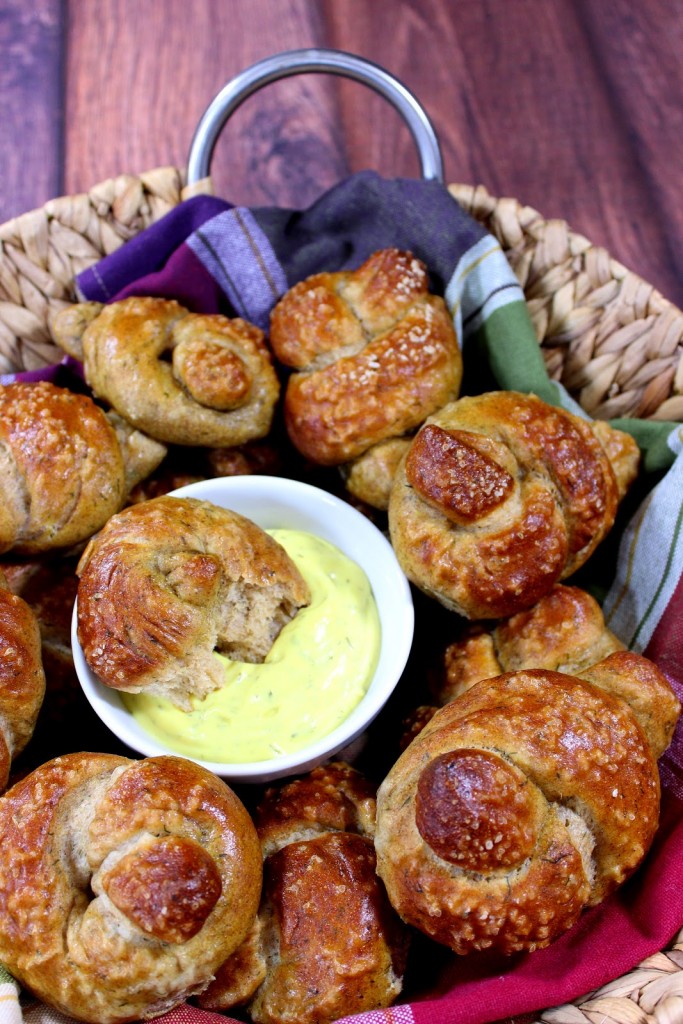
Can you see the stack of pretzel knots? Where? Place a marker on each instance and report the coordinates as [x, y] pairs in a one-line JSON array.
[[525, 787]]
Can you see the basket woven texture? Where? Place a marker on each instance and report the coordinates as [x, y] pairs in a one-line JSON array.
[[608, 336]]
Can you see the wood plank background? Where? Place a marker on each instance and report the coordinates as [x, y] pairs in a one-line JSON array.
[[572, 106]]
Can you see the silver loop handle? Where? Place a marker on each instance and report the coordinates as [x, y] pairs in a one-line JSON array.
[[293, 62]]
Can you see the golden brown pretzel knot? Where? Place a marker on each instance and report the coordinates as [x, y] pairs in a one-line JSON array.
[[22, 679], [374, 354], [347, 951], [168, 581], [528, 798], [183, 378], [65, 467], [124, 883], [499, 497], [565, 631]]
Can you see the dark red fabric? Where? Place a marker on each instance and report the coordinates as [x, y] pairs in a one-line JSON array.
[[665, 647]]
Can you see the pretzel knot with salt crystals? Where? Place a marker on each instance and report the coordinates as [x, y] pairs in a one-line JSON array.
[[374, 355], [565, 632], [125, 884], [500, 496], [65, 466], [526, 799], [183, 378], [22, 679]]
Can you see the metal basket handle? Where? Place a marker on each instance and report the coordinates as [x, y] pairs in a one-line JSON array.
[[293, 62]]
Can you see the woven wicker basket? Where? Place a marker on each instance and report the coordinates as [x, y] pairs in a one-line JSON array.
[[611, 338]]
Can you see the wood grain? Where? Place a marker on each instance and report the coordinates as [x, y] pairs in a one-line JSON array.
[[146, 98], [31, 108], [572, 106]]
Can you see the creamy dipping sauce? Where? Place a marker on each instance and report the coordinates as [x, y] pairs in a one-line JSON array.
[[316, 672]]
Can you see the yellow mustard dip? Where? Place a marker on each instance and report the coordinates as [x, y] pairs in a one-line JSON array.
[[316, 672]]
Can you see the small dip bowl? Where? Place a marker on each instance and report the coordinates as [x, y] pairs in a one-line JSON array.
[[279, 503]]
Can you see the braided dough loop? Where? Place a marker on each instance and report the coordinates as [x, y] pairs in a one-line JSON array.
[[183, 378], [374, 352], [124, 883], [499, 497], [528, 798], [168, 581], [22, 678]]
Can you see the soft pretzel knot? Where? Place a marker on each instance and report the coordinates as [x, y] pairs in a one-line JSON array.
[[348, 950], [124, 884], [565, 631], [374, 355], [64, 466], [528, 798], [183, 378], [22, 679], [499, 497], [171, 580]]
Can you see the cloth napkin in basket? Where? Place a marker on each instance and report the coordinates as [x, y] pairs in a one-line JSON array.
[[215, 257]]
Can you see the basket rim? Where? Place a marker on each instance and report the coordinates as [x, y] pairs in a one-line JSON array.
[[612, 339]]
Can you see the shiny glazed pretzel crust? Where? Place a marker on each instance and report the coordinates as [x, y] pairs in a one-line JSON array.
[[499, 497], [373, 353], [183, 378], [124, 884], [565, 631], [528, 798], [22, 679], [62, 471]]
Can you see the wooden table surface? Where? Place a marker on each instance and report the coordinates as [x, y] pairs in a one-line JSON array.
[[575, 107]]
